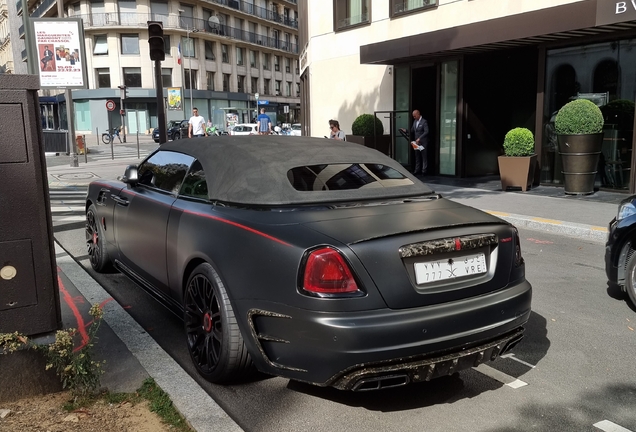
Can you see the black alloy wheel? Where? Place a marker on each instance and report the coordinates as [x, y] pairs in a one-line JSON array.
[[95, 247], [214, 340], [630, 280], [176, 136]]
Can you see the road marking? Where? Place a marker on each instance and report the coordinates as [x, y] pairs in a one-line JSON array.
[[550, 221], [65, 209], [500, 376], [608, 426], [512, 357], [497, 213], [71, 219]]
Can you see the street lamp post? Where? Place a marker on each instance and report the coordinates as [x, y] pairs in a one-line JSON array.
[[188, 31]]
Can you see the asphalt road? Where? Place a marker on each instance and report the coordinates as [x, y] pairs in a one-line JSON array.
[[575, 368]]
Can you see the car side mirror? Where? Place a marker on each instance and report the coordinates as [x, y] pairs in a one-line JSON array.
[[131, 175]]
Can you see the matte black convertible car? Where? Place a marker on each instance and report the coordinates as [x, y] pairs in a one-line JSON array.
[[312, 259]]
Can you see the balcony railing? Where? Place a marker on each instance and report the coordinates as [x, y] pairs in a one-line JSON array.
[[258, 11], [42, 8], [177, 22]]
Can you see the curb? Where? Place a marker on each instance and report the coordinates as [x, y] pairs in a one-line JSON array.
[[587, 232], [201, 412]]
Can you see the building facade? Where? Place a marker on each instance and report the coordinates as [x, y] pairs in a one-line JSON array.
[[219, 52], [475, 70]]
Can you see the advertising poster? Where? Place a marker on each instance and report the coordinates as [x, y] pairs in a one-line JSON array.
[[59, 45], [174, 99]]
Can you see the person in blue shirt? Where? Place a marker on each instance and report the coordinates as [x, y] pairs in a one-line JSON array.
[[264, 123]]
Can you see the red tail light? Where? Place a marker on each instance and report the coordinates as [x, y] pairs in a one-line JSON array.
[[327, 272]]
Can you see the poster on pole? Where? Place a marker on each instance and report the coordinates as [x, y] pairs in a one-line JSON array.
[[174, 99], [61, 55]]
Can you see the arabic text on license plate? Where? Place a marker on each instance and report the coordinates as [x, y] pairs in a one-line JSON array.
[[450, 268]]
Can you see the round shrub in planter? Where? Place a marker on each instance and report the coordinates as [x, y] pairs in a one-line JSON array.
[[579, 117], [579, 128], [362, 133], [516, 168], [519, 142], [363, 125]]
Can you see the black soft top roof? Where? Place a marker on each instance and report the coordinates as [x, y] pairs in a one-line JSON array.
[[252, 170]]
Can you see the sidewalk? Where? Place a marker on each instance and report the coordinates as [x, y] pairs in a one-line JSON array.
[[541, 208]]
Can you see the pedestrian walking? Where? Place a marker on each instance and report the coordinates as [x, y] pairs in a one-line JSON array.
[[196, 125], [336, 133], [264, 123]]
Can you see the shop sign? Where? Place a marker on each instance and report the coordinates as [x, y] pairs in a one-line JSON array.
[[614, 11]]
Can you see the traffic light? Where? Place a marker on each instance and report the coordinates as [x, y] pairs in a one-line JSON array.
[[123, 92], [155, 40]]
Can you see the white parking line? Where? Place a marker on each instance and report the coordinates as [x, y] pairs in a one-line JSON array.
[[608, 426], [511, 356], [500, 376]]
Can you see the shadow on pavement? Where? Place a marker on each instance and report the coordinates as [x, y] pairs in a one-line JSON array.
[[581, 413]]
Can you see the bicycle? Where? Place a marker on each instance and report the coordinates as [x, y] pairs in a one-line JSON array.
[[108, 137]]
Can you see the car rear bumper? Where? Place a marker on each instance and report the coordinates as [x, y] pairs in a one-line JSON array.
[[344, 349]]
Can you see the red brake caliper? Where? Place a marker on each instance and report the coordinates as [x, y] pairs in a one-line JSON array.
[[207, 322]]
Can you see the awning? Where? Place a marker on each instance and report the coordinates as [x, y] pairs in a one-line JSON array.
[[583, 18]]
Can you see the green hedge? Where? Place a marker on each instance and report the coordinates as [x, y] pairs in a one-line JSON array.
[[519, 142], [363, 125], [579, 117]]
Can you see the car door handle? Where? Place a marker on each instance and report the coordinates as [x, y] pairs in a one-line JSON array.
[[119, 200]]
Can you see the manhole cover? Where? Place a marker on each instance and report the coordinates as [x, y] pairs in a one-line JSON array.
[[75, 176]]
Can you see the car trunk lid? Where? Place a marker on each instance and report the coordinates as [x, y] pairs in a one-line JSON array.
[[427, 253]]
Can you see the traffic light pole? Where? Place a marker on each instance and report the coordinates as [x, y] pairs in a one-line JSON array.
[[157, 54], [161, 106]]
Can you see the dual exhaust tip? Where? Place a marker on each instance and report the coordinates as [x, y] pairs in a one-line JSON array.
[[402, 379]]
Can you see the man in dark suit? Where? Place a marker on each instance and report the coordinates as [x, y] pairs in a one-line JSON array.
[[48, 56], [419, 131]]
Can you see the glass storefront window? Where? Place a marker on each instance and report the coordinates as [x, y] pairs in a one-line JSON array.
[[604, 73], [448, 118]]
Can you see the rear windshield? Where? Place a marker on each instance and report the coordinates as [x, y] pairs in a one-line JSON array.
[[344, 177]]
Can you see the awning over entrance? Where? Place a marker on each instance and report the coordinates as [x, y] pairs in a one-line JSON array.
[[579, 19]]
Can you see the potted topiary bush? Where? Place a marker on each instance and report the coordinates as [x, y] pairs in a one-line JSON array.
[[516, 167], [368, 130], [579, 128]]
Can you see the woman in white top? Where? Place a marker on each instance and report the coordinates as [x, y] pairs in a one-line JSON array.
[[336, 133]]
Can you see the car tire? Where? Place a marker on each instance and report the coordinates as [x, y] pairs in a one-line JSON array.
[[96, 242], [630, 279], [213, 337], [176, 136]]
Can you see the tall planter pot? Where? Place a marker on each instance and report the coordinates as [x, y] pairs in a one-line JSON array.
[[580, 155], [517, 171]]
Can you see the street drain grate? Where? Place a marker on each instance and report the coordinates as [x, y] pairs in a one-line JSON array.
[[76, 176]]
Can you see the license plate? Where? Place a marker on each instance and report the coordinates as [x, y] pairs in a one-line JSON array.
[[450, 268]]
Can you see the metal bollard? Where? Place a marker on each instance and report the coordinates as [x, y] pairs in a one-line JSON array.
[[97, 133], [138, 155], [85, 149]]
